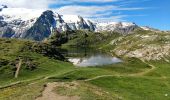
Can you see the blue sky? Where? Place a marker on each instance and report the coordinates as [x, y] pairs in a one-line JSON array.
[[153, 13]]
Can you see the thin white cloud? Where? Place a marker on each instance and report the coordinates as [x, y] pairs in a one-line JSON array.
[[45, 3], [91, 11], [85, 11], [81, 1], [27, 3], [94, 0], [97, 12]]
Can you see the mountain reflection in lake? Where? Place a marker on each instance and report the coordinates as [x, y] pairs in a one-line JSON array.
[[89, 57], [95, 60]]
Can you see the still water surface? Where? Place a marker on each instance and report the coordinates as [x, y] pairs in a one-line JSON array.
[[84, 57]]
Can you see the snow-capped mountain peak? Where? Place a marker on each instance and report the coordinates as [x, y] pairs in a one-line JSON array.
[[121, 27]]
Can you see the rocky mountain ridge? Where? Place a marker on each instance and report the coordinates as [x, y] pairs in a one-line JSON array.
[[120, 27]]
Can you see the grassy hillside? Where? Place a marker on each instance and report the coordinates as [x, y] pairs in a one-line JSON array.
[[150, 82], [86, 38], [143, 74], [35, 64]]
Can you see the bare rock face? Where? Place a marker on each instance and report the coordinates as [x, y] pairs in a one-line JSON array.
[[42, 27]]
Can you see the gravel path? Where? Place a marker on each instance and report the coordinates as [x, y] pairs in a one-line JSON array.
[[48, 94]]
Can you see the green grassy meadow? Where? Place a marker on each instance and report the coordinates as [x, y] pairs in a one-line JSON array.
[[132, 79]]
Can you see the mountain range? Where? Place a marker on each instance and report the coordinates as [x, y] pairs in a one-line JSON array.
[[39, 24]]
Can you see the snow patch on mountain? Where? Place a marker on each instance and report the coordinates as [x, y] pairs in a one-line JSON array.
[[71, 18]]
